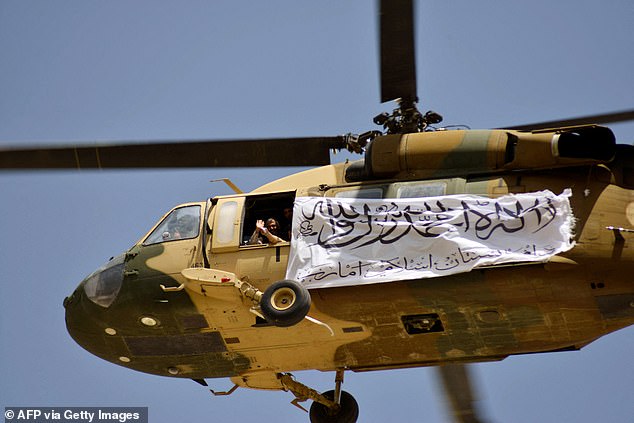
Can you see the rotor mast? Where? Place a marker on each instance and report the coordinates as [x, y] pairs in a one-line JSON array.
[[398, 70]]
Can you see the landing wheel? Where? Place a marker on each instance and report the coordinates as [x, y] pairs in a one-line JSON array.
[[285, 303], [348, 410]]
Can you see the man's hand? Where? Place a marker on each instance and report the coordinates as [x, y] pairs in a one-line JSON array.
[[259, 225]]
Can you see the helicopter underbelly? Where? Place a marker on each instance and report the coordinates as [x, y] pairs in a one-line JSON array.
[[477, 316]]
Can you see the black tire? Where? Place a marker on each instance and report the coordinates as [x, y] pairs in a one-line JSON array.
[[348, 413], [285, 303]]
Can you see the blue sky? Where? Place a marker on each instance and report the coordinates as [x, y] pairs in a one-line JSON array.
[[88, 71]]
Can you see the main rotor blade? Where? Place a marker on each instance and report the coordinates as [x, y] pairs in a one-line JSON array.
[[457, 385], [310, 151], [613, 117], [398, 59]]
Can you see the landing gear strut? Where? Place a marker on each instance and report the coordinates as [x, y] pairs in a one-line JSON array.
[[334, 406]]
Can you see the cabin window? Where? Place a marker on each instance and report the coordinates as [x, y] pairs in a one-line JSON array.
[[181, 223], [375, 192], [278, 207], [418, 190], [225, 222]]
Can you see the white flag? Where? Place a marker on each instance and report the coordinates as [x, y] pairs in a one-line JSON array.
[[344, 241]]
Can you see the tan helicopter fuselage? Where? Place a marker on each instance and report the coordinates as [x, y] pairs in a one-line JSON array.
[[163, 322]]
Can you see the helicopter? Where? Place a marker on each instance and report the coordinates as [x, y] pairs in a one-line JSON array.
[[326, 332]]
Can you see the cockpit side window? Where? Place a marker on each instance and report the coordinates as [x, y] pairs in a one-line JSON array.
[[181, 223]]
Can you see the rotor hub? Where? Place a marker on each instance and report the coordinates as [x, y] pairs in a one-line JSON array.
[[407, 119]]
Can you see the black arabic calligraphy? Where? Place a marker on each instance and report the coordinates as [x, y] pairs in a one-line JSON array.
[[426, 265], [331, 223]]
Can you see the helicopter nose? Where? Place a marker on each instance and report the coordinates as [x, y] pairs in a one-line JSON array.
[[80, 323], [87, 306]]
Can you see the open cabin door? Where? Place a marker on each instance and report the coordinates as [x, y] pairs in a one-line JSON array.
[[234, 221]]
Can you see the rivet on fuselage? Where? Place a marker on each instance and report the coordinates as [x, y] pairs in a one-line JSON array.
[[173, 370], [149, 321], [110, 331], [124, 359]]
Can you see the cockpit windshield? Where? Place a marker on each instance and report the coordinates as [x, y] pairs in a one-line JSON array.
[[181, 223]]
